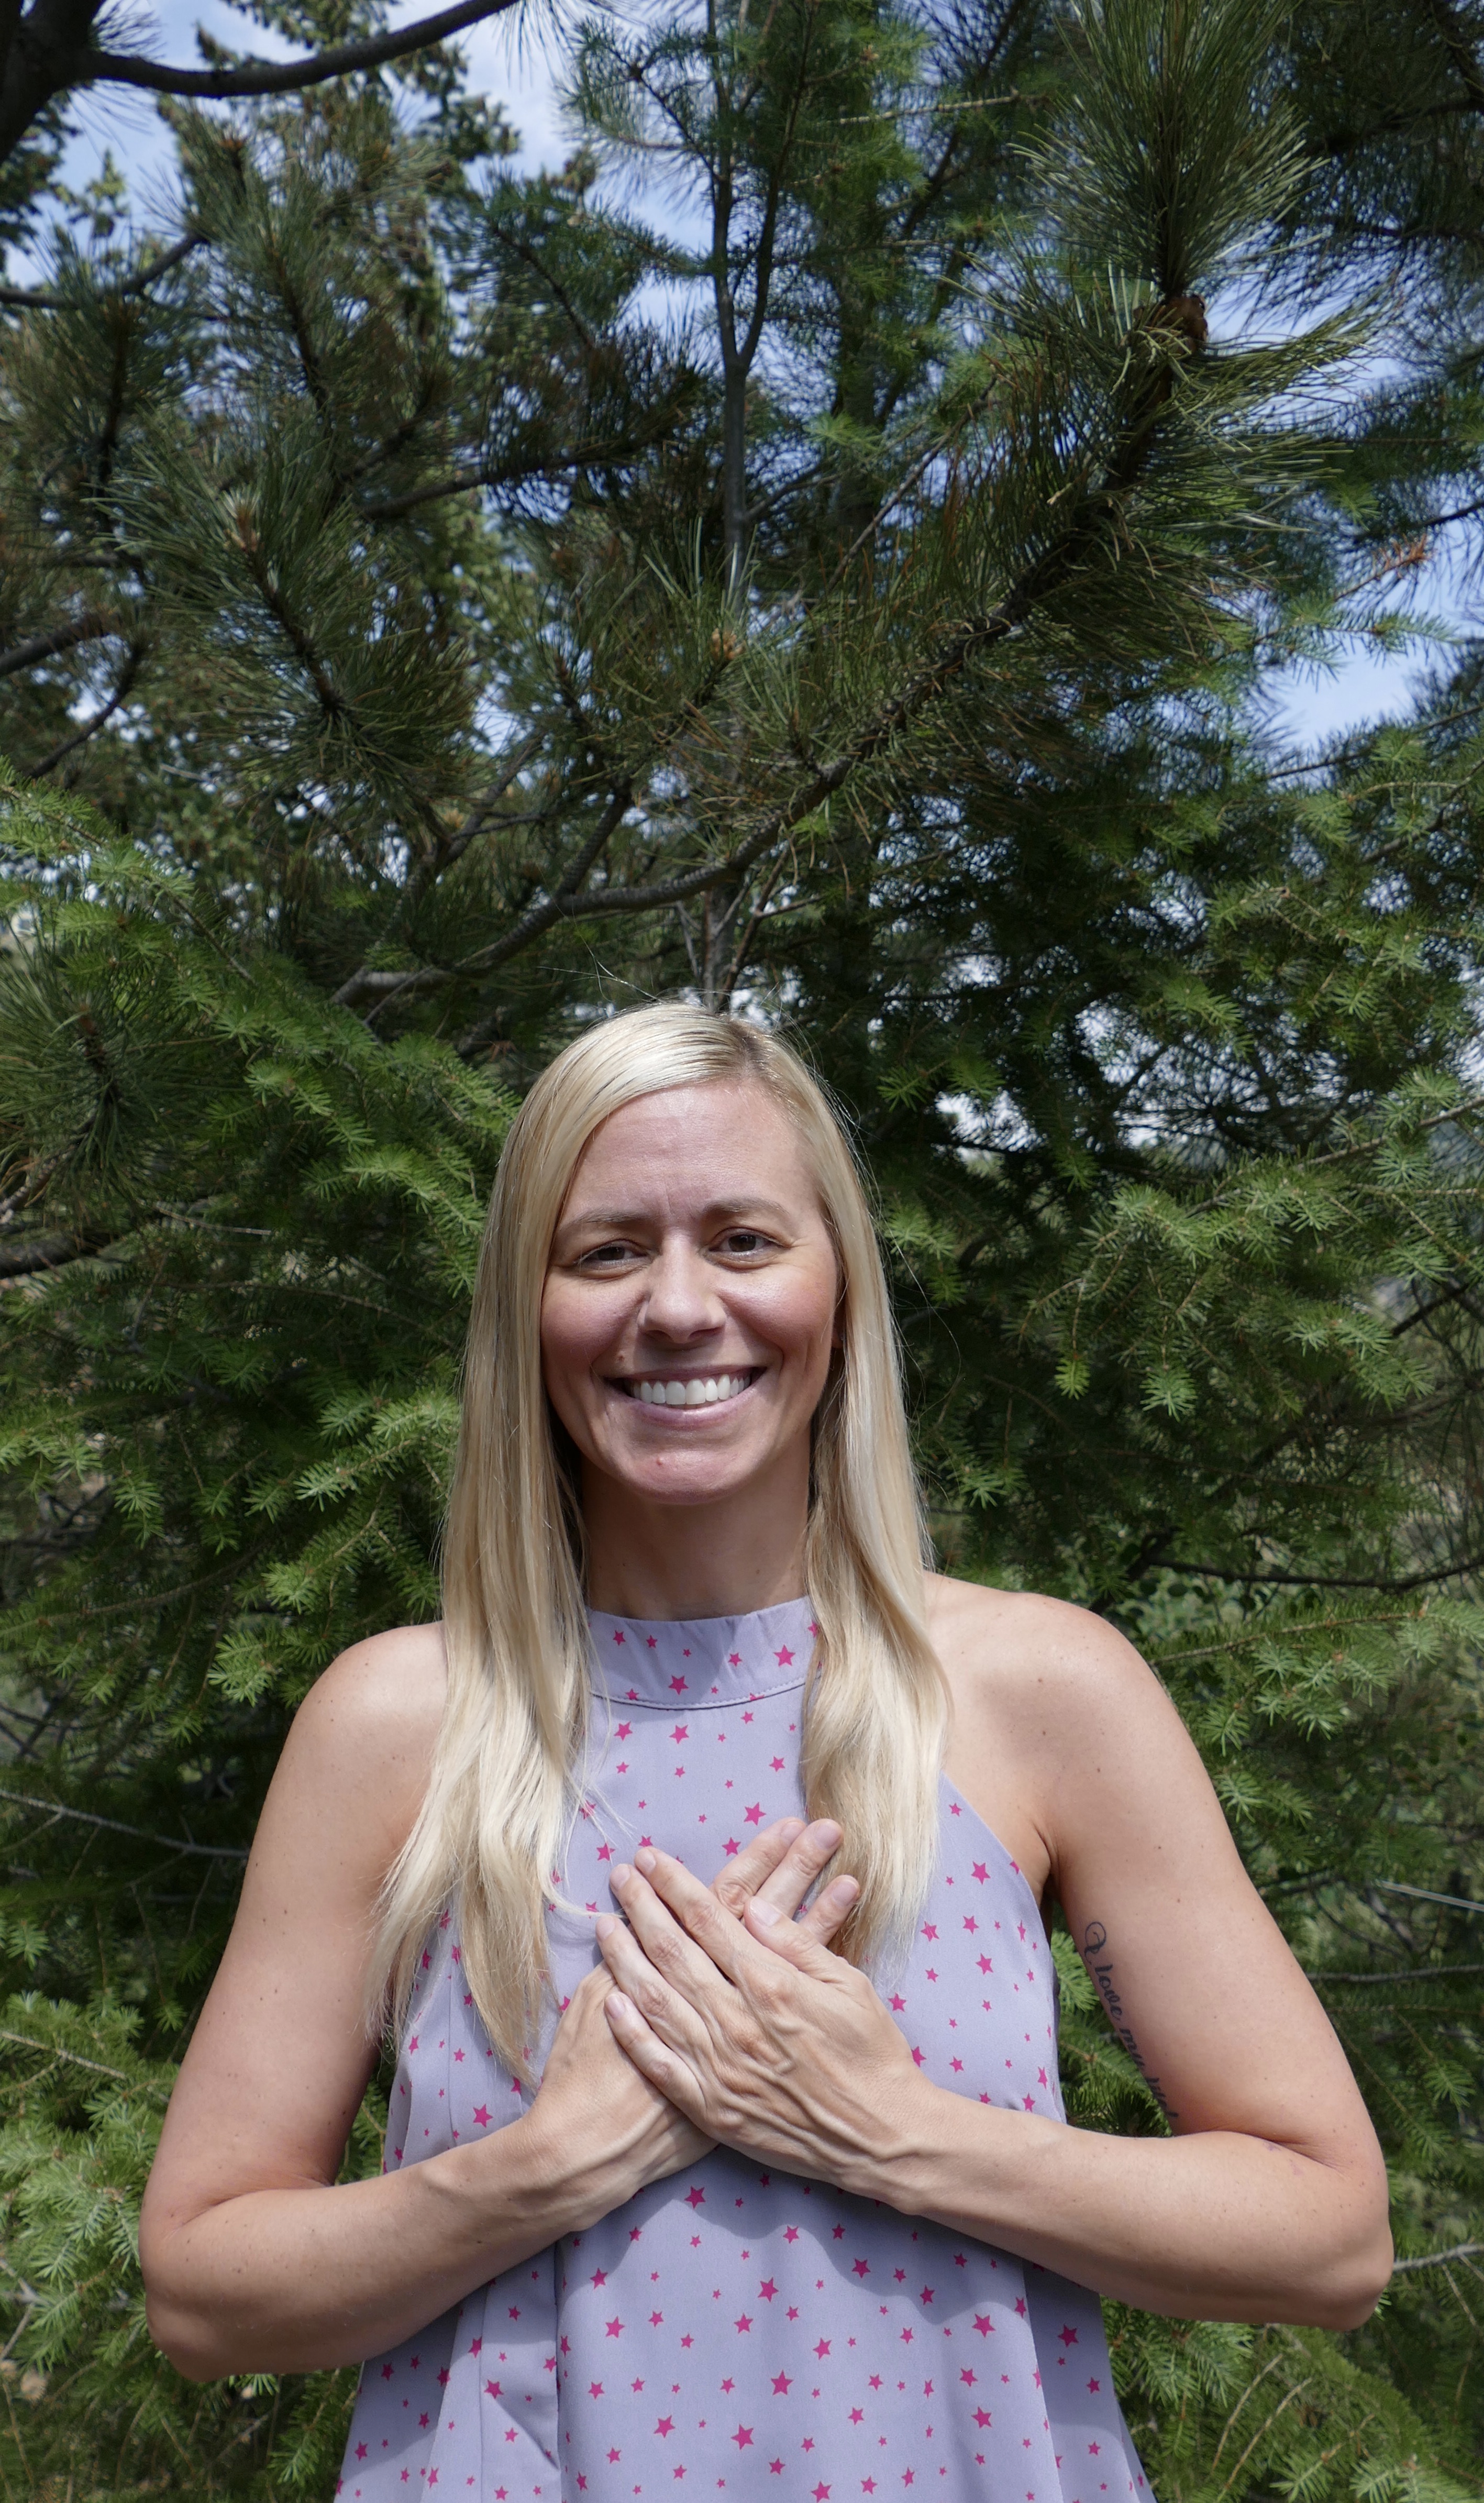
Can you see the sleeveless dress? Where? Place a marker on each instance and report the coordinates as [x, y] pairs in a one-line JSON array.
[[733, 2327]]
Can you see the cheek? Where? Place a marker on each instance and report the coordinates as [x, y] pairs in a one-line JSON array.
[[800, 1319], [572, 1336]]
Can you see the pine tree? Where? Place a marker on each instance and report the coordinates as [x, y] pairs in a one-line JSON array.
[[437, 604]]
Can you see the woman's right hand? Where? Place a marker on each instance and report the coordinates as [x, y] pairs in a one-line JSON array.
[[594, 2116], [256, 2259]]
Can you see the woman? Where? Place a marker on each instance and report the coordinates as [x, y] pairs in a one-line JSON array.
[[674, 2191]]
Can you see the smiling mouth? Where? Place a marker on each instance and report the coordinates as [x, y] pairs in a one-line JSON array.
[[692, 1391]]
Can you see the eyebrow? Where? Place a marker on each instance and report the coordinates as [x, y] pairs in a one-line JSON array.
[[610, 1220]]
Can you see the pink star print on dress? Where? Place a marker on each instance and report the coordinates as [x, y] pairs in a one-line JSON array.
[[735, 2329]]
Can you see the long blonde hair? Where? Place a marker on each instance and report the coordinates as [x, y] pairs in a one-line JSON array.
[[502, 1791]]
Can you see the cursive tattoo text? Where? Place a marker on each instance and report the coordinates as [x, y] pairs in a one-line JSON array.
[[1099, 1963]]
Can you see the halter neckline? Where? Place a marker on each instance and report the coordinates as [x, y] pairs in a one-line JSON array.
[[697, 1664]]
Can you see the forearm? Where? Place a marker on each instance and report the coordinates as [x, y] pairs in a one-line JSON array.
[[1212, 2226], [296, 2279]]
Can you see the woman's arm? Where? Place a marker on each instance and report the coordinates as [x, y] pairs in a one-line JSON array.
[[1268, 2202], [254, 2258]]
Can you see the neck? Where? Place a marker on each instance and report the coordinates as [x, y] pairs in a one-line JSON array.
[[704, 1559]]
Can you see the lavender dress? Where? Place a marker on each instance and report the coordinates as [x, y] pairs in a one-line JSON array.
[[733, 2327]]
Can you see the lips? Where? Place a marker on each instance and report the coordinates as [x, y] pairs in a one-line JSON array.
[[693, 1390]]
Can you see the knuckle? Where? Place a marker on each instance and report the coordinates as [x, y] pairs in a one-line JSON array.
[[768, 1987]]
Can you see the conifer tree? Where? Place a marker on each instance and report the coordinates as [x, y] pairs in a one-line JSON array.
[[436, 605]]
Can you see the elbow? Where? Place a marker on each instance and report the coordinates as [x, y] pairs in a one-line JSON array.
[[1355, 2283], [1371, 2284], [182, 2322], [183, 2340]]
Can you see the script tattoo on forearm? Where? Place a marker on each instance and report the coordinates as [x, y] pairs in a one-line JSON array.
[[1099, 1963]]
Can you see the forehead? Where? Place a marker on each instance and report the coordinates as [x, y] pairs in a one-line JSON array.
[[719, 1144]]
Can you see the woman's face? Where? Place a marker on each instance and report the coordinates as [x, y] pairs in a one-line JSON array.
[[688, 1311]]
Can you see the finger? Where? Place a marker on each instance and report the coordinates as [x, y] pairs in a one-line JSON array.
[[652, 2058], [664, 1938], [667, 1906], [740, 1878], [799, 1869], [829, 1911], [666, 2010], [793, 1941], [802, 1865]]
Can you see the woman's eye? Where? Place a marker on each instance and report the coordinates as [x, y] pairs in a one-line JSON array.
[[606, 1255], [742, 1239]]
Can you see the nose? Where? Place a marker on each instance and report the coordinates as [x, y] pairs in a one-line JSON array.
[[681, 1302]]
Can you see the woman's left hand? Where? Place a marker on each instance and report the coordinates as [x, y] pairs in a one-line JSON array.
[[754, 2031]]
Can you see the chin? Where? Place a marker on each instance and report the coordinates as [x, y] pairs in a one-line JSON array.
[[676, 1488], [689, 1476]]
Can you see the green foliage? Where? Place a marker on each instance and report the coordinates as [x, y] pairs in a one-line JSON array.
[[472, 601]]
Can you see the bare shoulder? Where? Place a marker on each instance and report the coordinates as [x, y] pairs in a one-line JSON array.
[[391, 1686], [363, 1740], [1036, 1659], [1065, 1739]]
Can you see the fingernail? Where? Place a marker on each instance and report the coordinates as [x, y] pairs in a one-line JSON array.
[[621, 1874], [766, 1915], [645, 1860], [616, 2005], [605, 1926]]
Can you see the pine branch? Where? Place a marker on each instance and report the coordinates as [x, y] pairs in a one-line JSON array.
[[1424, 1894], [517, 246], [1360, 1147], [80, 738], [22, 299], [1345, 143], [597, 453], [86, 628], [1391, 1584], [76, 2060], [1184, 321], [1435, 2259], [569, 900], [365, 983], [1417, 1973], [33, 1182], [561, 905], [44, 1252], [294, 631], [276, 77], [111, 1824], [1460, 52], [452, 848]]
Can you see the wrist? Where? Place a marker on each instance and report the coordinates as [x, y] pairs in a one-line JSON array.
[[505, 2193], [568, 2176], [900, 2158]]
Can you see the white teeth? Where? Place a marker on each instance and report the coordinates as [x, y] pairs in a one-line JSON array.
[[701, 1392]]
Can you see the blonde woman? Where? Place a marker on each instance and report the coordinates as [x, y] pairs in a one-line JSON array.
[[677, 2192]]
